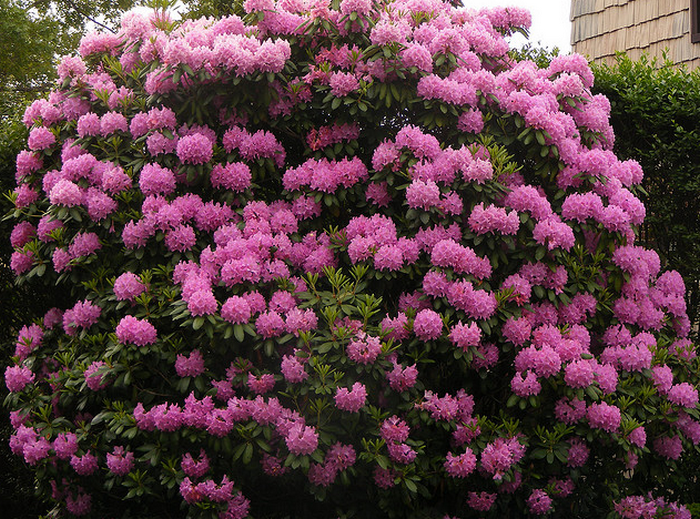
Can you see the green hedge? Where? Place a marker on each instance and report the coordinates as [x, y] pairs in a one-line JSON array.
[[655, 111]]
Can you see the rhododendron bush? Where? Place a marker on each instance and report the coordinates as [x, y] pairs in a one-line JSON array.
[[323, 260]]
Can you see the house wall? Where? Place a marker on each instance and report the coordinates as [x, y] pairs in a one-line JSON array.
[[602, 27]]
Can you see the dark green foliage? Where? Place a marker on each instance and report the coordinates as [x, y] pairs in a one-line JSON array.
[[17, 498], [543, 56], [656, 116]]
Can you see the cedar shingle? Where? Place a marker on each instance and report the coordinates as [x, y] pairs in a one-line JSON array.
[[601, 27]]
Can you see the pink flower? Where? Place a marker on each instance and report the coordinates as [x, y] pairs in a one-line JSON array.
[[194, 149], [553, 233], [95, 376], [481, 501], [301, 439], [527, 386], [578, 453], [26, 195], [112, 122], [40, 138], [84, 465], [65, 445], [579, 374], [638, 437], [364, 349], [401, 379], [669, 447], [83, 315], [293, 369], [236, 310], [570, 410], [460, 466], [195, 469], [401, 453], [66, 193], [498, 457], [662, 377], [191, 366], [384, 478], [427, 325], [270, 324], [89, 125], [84, 244], [261, 384], [131, 330], [463, 336], [156, 180], [351, 400], [235, 176], [683, 394], [28, 340], [394, 430], [342, 83], [300, 321], [490, 219], [356, 6], [21, 262], [128, 286], [18, 377], [79, 504], [99, 205], [604, 416], [539, 502], [202, 302], [120, 462], [27, 163], [422, 195], [470, 121]]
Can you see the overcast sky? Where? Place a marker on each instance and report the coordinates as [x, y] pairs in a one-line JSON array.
[[550, 20]]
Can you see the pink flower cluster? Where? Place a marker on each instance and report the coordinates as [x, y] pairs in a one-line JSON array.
[[324, 175]]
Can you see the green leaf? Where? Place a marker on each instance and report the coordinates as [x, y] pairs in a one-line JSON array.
[[247, 453], [238, 332]]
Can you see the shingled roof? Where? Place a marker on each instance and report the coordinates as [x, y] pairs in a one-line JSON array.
[[602, 27]]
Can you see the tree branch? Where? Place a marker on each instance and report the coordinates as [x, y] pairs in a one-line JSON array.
[[82, 13]]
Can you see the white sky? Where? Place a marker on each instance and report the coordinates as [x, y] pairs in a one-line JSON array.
[[550, 20]]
